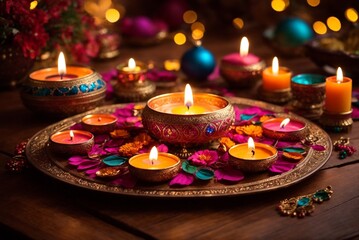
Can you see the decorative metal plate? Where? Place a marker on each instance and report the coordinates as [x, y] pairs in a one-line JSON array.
[[38, 154]]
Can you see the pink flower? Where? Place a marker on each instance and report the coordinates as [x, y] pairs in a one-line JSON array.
[[204, 158]]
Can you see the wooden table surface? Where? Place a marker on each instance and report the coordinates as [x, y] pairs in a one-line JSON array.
[[36, 206]]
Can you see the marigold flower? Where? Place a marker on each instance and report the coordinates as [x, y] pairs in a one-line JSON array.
[[144, 138], [265, 118], [130, 149], [250, 130], [120, 133], [227, 142]]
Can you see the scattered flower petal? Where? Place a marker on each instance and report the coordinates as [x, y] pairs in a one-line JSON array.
[[318, 147], [204, 174], [188, 168], [229, 174], [182, 179], [114, 160]]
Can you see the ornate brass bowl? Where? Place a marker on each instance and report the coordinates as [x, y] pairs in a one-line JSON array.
[[187, 130]]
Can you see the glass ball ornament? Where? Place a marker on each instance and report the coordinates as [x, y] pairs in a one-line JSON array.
[[198, 63], [292, 32]]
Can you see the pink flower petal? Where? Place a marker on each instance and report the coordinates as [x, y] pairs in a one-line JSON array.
[[281, 166], [87, 164], [162, 148], [318, 147], [76, 160], [182, 179], [228, 174]]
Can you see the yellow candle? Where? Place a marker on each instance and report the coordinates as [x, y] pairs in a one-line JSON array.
[[156, 162], [258, 151], [188, 107], [338, 91], [276, 78]]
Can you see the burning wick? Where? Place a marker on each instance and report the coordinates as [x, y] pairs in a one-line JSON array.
[[71, 135], [251, 146], [99, 119], [284, 123], [253, 152], [153, 155]]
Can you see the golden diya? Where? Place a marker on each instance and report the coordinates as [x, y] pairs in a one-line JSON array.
[[99, 123], [187, 119], [132, 85], [252, 157], [63, 91], [154, 166]]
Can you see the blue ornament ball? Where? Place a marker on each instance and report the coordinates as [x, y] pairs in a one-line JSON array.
[[292, 32], [198, 63]]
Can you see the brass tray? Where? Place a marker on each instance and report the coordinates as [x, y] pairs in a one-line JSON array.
[[38, 154]]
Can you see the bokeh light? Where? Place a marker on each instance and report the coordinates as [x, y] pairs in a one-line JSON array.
[[198, 25], [179, 38], [319, 27], [334, 24], [238, 23], [33, 5], [112, 15], [351, 14], [197, 34], [190, 16], [278, 5], [313, 3]]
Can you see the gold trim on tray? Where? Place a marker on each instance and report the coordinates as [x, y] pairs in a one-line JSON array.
[[56, 167]]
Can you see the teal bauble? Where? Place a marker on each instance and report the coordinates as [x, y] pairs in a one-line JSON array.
[[292, 32], [198, 63]]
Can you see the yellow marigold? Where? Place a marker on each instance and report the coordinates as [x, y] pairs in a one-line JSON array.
[[130, 149], [250, 130], [144, 138], [227, 142], [120, 133], [265, 118]]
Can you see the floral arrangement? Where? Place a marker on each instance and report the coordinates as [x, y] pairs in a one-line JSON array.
[[37, 26], [108, 158]]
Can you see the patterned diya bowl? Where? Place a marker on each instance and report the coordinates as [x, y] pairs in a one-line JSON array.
[[261, 161], [187, 129], [241, 76], [156, 173], [83, 142], [62, 98]]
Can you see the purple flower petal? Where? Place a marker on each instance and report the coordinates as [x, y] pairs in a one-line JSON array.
[[229, 174], [239, 138], [318, 147], [285, 144], [112, 150], [182, 179], [96, 151], [76, 126], [76, 160], [162, 148], [114, 142], [87, 164], [355, 113], [101, 138], [126, 181], [281, 166]]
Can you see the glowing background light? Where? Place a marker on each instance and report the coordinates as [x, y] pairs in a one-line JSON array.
[[319, 27], [112, 15], [238, 23], [334, 24], [313, 3], [33, 5], [190, 16], [351, 14], [278, 5], [179, 38]]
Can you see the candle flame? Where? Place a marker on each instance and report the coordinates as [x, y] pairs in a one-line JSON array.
[[339, 75], [99, 119], [251, 146], [72, 135], [131, 64], [243, 49], [61, 64], [275, 66], [284, 123], [188, 96], [153, 155]]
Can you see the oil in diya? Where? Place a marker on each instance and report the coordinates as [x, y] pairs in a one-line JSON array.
[[63, 90], [276, 83], [99, 123], [242, 68], [252, 157], [132, 85], [187, 120], [338, 105], [287, 129], [154, 166], [71, 142]]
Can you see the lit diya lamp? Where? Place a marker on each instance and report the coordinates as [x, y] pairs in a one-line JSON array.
[[288, 129], [132, 85], [71, 142], [99, 123], [276, 83], [338, 103], [63, 90], [188, 119], [154, 166], [252, 157], [243, 68]]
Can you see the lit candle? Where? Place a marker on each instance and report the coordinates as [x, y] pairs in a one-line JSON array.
[[244, 58], [131, 67], [72, 142], [188, 107], [276, 78], [338, 91], [154, 166], [252, 157], [284, 128], [99, 123]]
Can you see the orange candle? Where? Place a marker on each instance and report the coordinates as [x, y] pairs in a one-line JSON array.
[[188, 107], [61, 73], [154, 160], [252, 151], [338, 91], [276, 78]]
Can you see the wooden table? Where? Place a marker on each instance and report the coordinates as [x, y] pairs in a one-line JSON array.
[[33, 205]]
